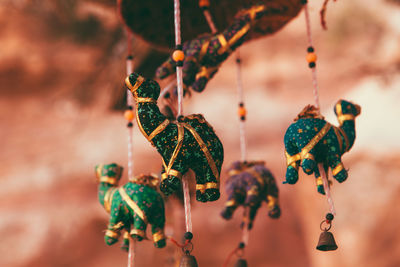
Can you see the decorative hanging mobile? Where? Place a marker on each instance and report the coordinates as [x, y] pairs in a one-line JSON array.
[[314, 144]]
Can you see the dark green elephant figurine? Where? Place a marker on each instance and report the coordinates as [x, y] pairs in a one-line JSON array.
[[131, 206], [311, 140], [249, 184], [189, 142]]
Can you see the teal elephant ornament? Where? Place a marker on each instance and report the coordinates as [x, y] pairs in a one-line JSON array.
[[131, 206], [311, 140], [187, 143]]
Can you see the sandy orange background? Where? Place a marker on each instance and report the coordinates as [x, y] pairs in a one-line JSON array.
[[61, 67]]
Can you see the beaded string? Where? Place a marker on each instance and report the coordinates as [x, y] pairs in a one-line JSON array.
[[241, 109], [178, 57], [129, 116], [311, 59]]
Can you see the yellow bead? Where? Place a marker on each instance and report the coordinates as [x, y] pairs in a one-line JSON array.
[[129, 115], [242, 111], [178, 55], [204, 3], [311, 57]]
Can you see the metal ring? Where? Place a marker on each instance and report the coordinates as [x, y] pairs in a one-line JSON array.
[[325, 229], [186, 250]]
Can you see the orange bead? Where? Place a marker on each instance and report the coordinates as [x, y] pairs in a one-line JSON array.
[[242, 111], [311, 57], [178, 55], [129, 115], [204, 3]]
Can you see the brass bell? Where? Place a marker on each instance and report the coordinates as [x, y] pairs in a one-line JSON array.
[[188, 261], [326, 242], [241, 263]]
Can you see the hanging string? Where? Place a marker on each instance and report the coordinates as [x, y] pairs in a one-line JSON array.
[[186, 196], [178, 52], [131, 255], [311, 58], [310, 47], [129, 116], [178, 57], [242, 110]]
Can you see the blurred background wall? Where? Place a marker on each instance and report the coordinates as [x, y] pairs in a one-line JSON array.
[[61, 83]]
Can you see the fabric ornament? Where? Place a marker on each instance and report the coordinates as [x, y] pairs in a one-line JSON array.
[[131, 206], [187, 143], [311, 140], [249, 184]]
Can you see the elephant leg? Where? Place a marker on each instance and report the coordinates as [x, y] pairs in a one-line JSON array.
[[125, 241], [292, 162], [319, 182], [338, 170], [158, 235], [200, 183], [308, 163], [138, 228], [292, 174], [253, 202], [234, 200], [115, 224], [212, 186], [272, 199], [171, 181]]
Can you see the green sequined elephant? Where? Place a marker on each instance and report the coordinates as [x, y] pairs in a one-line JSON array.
[[312, 140], [189, 142], [131, 206]]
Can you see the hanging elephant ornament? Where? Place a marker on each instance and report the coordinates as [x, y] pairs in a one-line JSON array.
[[249, 184], [131, 206], [311, 140], [205, 54], [188, 143]]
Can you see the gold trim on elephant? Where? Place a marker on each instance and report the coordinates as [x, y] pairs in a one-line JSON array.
[[137, 84], [272, 201], [159, 235], [138, 232], [108, 199], [337, 169], [291, 159], [205, 150], [109, 180], [231, 203], [145, 100], [112, 234], [160, 128], [136, 209]]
